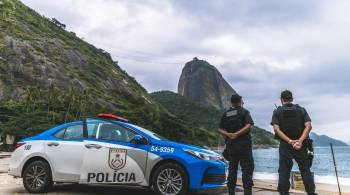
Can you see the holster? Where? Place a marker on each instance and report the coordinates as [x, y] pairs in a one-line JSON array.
[[226, 154], [310, 149]]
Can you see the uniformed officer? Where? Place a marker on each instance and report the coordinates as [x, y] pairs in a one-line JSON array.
[[235, 126], [292, 126]]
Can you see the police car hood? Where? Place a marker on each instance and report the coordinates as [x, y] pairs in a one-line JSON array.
[[189, 147]]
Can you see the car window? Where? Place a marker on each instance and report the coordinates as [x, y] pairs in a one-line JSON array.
[[114, 132], [60, 133], [150, 133], [92, 130], [74, 132], [92, 127], [105, 130]]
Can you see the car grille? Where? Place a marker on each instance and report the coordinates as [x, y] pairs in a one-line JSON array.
[[214, 178]]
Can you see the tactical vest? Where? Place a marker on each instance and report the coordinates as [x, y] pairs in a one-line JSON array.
[[292, 121], [234, 120]]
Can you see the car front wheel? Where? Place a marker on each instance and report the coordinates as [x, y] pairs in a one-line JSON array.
[[37, 177], [170, 179]]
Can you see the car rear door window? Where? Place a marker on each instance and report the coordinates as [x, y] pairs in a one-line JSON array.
[[74, 132], [92, 127]]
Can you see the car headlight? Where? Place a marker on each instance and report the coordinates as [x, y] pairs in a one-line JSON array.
[[203, 156]]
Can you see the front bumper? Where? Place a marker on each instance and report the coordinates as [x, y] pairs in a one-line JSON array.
[[213, 190], [14, 172], [207, 175]]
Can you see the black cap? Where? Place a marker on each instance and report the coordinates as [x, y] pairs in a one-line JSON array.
[[287, 95], [235, 98]]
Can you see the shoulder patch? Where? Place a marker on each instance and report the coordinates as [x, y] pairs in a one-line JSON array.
[[231, 113]]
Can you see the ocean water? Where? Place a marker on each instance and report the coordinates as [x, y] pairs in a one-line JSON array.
[[266, 164]]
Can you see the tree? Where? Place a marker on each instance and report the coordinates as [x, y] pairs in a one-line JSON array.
[[58, 23]]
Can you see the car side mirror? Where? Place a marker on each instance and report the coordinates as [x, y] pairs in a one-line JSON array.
[[138, 139]]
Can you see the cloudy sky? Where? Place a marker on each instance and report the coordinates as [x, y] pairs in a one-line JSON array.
[[260, 46]]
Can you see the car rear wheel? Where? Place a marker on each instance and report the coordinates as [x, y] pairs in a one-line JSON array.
[[37, 177], [170, 179]]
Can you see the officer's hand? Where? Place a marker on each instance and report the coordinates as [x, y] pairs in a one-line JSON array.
[[297, 145], [232, 135], [293, 142]]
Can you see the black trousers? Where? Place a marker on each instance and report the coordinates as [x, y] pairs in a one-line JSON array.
[[286, 156], [240, 153]]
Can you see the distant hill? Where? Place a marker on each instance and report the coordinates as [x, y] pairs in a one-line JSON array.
[[323, 140], [203, 83], [204, 118]]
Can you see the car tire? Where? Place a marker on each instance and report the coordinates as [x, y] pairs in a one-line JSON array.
[[170, 178], [37, 177]]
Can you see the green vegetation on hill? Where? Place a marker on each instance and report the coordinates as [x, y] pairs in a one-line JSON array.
[[204, 118], [262, 137]]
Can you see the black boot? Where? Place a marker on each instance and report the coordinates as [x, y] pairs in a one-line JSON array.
[[231, 191], [248, 191]]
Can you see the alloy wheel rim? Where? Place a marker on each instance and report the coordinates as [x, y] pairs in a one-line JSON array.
[[169, 182], [35, 177]]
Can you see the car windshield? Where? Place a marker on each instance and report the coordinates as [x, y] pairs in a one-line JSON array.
[[149, 133]]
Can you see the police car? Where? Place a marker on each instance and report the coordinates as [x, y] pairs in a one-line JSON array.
[[109, 150]]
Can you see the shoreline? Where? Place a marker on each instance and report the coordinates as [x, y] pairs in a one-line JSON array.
[[322, 189], [265, 181], [255, 147], [263, 146]]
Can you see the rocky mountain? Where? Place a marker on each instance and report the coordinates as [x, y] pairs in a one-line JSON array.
[[204, 94], [203, 83], [205, 118], [49, 76], [323, 140]]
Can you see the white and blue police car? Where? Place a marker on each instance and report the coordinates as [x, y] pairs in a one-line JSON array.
[[107, 149]]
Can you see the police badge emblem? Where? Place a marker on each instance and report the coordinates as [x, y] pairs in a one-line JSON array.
[[117, 158], [231, 113]]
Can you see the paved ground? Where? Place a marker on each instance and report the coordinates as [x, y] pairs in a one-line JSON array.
[[17, 188], [10, 185]]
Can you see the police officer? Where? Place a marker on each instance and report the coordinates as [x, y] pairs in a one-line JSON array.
[[292, 126], [235, 126]]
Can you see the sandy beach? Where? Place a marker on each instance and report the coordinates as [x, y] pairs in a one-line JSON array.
[[324, 189]]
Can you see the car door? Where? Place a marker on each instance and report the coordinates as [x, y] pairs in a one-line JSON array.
[[110, 156], [65, 151]]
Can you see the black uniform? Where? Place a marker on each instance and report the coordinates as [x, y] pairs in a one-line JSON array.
[[292, 118], [240, 149]]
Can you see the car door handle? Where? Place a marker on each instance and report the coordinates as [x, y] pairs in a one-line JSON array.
[[53, 144], [96, 146]]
